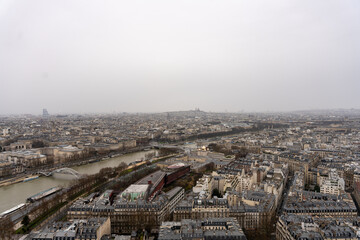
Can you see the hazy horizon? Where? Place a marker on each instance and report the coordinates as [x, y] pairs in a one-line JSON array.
[[310, 111], [159, 56]]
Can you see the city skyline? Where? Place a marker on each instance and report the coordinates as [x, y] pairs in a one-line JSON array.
[[344, 111], [206, 119]]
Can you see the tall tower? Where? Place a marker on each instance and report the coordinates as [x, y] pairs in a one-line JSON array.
[[45, 113]]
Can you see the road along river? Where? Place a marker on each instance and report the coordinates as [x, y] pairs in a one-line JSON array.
[[15, 194]]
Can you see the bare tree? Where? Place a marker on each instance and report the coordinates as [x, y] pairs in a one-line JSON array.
[[6, 228], [149, 156]]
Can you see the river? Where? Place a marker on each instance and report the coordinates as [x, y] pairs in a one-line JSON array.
[[15, 194]]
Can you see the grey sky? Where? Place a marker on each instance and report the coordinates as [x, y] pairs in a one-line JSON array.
[[141, 56]]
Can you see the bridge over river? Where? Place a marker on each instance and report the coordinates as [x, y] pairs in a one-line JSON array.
[[62, 171], [15, 194]]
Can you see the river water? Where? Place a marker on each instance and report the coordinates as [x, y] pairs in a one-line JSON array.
[[15, 194]]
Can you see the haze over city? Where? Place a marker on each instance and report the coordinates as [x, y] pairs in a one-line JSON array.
[[180, 120], [155, 56]]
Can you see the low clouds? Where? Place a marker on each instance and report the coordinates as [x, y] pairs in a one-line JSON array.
[[105, 56]]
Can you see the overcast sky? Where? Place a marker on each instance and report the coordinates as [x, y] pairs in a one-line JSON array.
[[152, 56]]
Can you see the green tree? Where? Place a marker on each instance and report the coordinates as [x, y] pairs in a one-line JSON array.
[[26, 220]]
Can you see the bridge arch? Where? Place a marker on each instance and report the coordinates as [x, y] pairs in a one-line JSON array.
[[68, 171]]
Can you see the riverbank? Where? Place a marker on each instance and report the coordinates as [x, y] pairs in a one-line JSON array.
[[21, 177], [60, 208], [14, 180], [14, 194]]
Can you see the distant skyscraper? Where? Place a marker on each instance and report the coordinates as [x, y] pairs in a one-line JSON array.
[[45, 113]]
